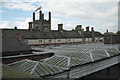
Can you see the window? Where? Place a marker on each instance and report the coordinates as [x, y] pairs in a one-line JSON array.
[[36, 27], [68, 39], [59, 40], [40, 40], [50, 40]]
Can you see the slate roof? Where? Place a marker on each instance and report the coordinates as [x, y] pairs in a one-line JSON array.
[[98, 34], [57, 34], [14, 45], [53, 34], [87, 34], [71, 34]]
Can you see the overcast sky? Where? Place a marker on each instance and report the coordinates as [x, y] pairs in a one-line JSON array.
[[100, 14]]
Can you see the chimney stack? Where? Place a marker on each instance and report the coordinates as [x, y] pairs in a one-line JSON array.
[[60, 27], [83, 37], [93, 34], [78, 27], [49, 16], [87, 29], [30, 25], [40, 14], [106, 31], [92, 29], [33, 16]]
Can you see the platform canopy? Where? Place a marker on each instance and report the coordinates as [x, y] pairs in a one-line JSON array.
[[36, 68], [72, 55], [68, 56]]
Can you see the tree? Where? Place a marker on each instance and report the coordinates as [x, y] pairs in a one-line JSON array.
[[118, 32]]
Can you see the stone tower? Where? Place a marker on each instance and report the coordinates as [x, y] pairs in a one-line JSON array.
[[41, 24]]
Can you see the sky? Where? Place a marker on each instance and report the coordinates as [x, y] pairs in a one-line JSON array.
[[100, 14]]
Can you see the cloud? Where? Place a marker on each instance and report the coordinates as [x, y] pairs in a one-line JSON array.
[[5, 24], [99, 13], [20, 18], [3, 21], [62, 0], [86, 11], [69, 26], [2, 2], [20, 25], [83, 10], [1, 11], [111, 27], [96, 14], [19, 5], [23, 25], [55, 22]]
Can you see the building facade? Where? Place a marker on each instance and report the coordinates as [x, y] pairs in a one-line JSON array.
[[40, 33]]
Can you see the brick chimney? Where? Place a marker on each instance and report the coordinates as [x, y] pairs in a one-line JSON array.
[[78, 27], [30, 25], [33, 16], [87, 29], [106, 31], [40, 15], [60, 27], [83, 36], [93, 34], [49, 16]]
